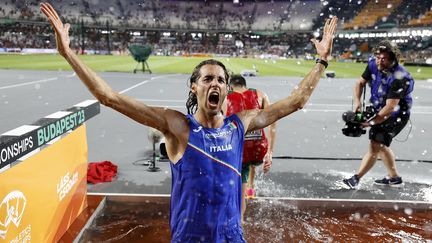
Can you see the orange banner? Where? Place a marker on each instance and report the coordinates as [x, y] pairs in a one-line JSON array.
[[41, 196]]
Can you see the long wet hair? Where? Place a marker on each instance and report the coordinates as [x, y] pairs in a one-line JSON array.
[[386, 46], [192, 102]]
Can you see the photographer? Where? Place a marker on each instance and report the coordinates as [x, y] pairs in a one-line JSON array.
[[391, 86]]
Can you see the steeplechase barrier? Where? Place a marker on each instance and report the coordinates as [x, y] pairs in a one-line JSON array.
[[43, 182]]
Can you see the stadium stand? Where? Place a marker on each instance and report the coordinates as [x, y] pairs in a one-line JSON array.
[[343, 9], [423, 20], [372, 12], [263, 29], [407, 11]]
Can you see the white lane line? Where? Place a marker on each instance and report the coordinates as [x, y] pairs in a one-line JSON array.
[[316, 104], [413, 111], [28, 83], [134, 86], [71, 75], [127, 194], [144, 82], [169, 106], [152, 100]]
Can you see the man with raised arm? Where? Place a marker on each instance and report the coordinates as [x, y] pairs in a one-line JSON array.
[[204, 147]]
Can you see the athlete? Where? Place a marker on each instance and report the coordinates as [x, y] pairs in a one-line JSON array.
[[257, 148], [204, 147]]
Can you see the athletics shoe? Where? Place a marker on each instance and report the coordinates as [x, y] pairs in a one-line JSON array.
[[250, 193], [352, 182], [390, 181]]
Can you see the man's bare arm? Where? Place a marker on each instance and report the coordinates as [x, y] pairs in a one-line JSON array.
[[268, 158], [149, 116], [300, 95], [272, 127], [384, 113], [175, 131], [358, 88]]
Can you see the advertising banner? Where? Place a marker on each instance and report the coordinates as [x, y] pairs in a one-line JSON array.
[[41, 196]]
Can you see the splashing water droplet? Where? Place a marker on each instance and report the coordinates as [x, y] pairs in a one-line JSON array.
[[357, 216], [399, 75], [408, 211]]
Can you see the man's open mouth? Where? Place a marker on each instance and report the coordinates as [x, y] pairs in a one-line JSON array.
[[213, 98]]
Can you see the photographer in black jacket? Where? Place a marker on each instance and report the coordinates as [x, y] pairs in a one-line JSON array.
[[391, 86]]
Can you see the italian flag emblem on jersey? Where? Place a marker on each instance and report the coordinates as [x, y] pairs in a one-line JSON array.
[[232, 125]]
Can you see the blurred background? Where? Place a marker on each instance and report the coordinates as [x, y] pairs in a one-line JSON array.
[[239, 28]]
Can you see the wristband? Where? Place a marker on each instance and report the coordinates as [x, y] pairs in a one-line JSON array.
[[325, 63]]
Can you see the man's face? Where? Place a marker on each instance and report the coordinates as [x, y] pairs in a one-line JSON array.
[[383, 61], [210, 88]]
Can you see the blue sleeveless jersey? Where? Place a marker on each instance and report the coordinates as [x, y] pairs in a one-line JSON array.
[[380, 86], [206, 185]]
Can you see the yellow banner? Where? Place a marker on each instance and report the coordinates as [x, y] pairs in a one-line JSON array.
[[41, 196]]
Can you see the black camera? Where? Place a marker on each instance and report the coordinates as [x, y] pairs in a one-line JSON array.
[[353, 121]]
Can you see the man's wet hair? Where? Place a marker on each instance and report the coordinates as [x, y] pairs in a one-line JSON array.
[[192, 102], [388, 47], [237, 80]]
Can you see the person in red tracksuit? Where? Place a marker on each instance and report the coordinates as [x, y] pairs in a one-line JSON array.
[[257, 148]]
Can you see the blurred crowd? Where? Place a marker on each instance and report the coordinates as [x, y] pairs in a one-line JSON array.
[[253, 29]]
